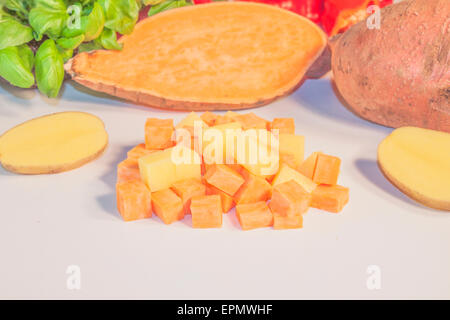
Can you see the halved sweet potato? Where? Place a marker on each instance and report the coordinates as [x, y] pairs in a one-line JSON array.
[[226, 55]]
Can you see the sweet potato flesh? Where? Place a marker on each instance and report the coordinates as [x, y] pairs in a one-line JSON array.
[[214, 56]]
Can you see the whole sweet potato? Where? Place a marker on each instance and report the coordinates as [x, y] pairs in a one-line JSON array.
[[399, 74]]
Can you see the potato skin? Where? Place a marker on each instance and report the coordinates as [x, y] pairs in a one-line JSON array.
[[398, 75]]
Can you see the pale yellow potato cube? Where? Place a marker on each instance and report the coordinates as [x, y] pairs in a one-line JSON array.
[[231, 114], [190, 120], [292, 149], [215, 141], [157, 170], [187, 163], [258, 152], [161, 169]]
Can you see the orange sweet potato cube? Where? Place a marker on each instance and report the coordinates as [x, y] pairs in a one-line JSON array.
[[167, 206], [254, 189], [289, 159], [186, 135], [330, 198], [223, 120], [251, 121], [209, 118], [287, 222], [289, 199], [284, 125], [158, 133], [186, 189], [203, 168], [206, 211], [128, 170], [327, 169], [254, 215], [138, 151], [133, 200], [308, 166], [224, 178], [236, 167], [227, 200]]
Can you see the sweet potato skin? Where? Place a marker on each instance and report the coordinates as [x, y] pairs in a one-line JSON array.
[[398, 75], [149, 100]]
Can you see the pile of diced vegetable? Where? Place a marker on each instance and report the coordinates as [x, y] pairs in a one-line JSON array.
[[150, 180]]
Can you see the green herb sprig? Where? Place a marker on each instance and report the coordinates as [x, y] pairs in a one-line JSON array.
[[38, 36]]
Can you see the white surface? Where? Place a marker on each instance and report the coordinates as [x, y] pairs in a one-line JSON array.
[[51, 222]]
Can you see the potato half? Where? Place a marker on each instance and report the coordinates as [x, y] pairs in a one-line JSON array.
[[53, 143], [417, 161]]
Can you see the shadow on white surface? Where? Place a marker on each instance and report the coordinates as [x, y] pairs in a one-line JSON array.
[[17, 97], [319, 97], [14, 92], [233, 218], [108, 201], [85, 94], [369, 169], [77, 92]]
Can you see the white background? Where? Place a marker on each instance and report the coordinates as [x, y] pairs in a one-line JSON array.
[[51, 222]]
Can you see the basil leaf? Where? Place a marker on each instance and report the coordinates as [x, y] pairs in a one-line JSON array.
[[13, 33], [86, 2], [108, 39], [73, 26], [166, 5], [152, 2], [70, 43], [66, 54], [16, 65], [27, 56], [93, 23], [121, 15], [20, 7], [90, 46], [49, 68], [48, 17]]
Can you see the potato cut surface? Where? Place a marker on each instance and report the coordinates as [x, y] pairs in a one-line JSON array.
[[160, 169], [417, 161], [53, 143]]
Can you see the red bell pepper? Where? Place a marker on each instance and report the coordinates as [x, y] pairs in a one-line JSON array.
[[339, 15], [311, 9], [201, 1]]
